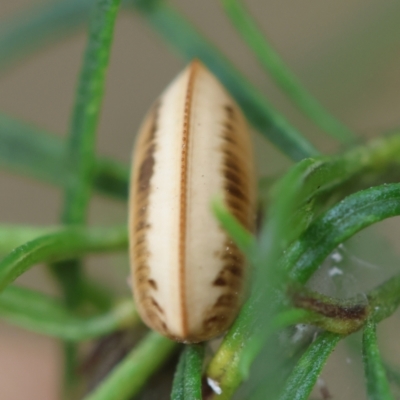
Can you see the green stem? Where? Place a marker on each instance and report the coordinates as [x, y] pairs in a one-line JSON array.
[[272, 63], [129, 376]]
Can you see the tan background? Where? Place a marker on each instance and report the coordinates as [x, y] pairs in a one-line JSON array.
[[345, 52]]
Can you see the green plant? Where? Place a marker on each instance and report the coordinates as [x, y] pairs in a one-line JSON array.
[[318, 204]]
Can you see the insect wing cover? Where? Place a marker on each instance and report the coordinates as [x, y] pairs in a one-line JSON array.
[[189, 279]]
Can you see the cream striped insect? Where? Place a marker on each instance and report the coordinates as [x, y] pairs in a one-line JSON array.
[[189, 279]]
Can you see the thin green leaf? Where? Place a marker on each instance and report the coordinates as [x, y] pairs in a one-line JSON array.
[[30, 151], [129, 376], [338, 224], [377, 383], [180, 33], [187, 379], [67, 243], [272, 63], [305, 374], [40, 313], [81, 138]]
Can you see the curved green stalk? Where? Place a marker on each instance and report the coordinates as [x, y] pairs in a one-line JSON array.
[[65, 244], [377, 382], [272, 63], [42, 314], [180, 33], [129, 376], [187, 379]]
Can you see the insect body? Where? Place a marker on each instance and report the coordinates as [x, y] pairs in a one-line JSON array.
[[188, 276]]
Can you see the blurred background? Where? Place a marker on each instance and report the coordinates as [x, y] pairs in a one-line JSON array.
[[346, 52]]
